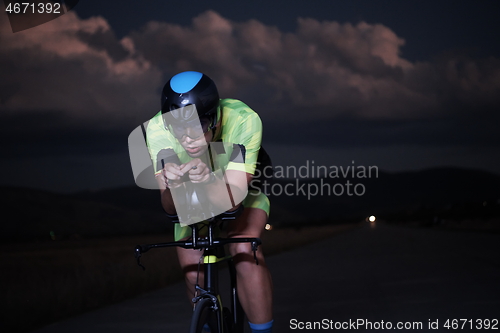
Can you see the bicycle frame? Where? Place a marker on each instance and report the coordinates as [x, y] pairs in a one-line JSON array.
[[210, 290]]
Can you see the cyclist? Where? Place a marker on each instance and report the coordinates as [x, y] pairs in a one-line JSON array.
[[192, 116]]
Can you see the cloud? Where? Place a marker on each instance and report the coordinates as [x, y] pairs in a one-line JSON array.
[[350, 82], [329, 69], [76, 73], [71, 92]]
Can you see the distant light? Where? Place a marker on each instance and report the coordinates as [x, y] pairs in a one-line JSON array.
[[372, 218], [269, 227]]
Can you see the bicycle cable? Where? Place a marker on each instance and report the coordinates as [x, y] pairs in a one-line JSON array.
[[197, 285]]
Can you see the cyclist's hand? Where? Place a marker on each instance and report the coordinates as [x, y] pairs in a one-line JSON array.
[[172, 174], [198, 171]]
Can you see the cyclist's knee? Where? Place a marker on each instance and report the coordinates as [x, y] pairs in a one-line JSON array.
[[243, 255], [189, 259], [191, 276]]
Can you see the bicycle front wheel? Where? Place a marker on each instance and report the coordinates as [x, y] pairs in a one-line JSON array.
[[204, 316]]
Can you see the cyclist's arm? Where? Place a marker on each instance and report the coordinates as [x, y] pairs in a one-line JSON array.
[[234, 183], [237, 186], [160, 145], [169, 173], [167, 201], [246, 137], [223, 190]]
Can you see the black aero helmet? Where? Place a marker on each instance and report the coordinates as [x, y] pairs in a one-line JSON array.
[[190, 88]]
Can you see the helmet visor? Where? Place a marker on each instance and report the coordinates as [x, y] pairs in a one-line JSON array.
[[185, 121]]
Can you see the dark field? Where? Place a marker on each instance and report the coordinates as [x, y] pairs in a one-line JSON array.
[[43, 282]]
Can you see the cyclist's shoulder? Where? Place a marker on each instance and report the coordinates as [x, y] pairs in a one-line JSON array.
[[155, 123], [156, 133], [237, 114], [235, 107]]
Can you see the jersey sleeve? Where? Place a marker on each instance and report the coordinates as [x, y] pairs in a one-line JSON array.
[[247, 134], [160, 142]]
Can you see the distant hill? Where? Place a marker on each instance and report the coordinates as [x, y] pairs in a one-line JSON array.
[[34, 214], [398, 195]]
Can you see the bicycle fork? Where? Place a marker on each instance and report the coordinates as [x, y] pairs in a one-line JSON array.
[[211, 283]]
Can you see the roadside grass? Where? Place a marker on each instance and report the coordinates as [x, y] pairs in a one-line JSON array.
[[44, 282]]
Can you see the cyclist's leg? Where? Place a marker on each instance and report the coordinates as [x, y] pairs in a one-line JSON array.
[[254, 281], [189, 259]]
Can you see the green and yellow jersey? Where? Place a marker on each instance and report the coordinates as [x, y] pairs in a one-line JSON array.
[[241, 129], [240, 125]]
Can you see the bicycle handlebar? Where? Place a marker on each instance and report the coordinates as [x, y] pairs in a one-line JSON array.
[[199, 243]]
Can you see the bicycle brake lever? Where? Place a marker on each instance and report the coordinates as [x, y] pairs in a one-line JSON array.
[[255, 246], [137, 254]]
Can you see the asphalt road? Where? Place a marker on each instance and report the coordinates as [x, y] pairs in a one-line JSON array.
[[367, 279]]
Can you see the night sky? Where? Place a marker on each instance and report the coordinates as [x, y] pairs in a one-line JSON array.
[[403, 85]]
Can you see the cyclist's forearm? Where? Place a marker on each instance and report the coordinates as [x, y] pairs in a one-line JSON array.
[[226, 191], [166, 199], [224, 196], [167, 202]]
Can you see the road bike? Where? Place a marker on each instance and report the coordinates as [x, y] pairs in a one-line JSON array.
[[209, 312]]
